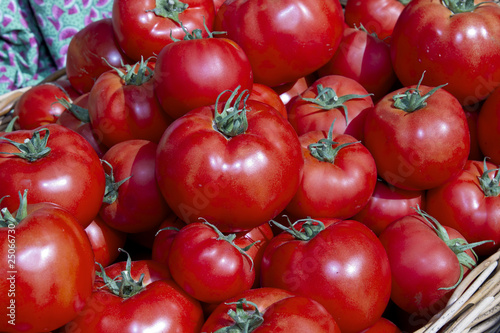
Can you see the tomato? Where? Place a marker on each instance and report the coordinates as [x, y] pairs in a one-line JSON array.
[[144, 27], [137, 296], [383, 325], [166, 233], [340, 264], [38, 106], [48, 267], [192, 73], [105, 241], [330, 98], [262, 93], [338, 178], [402, 130], [295, 38], [475, 152], [270, 310], [426, 260], [132, 202], [456, 42], [289, 91], [387, 204], [377, 16], [470, 203], [123, 106], [364, 58], [61, 167], [488, 127], [208, 265], [86, 50], [237, 175]]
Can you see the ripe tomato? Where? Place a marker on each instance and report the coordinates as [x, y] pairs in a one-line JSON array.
[[105, 241], [295, 39], [192, 73], [166, 233], [340, 264], [338, 178], [470, 203], [330, 98], [144, 27], [488, 127], [262, 93], [48, 267], [236, 175], [402, 130], [61, 167], [456, 42], [383, 325]]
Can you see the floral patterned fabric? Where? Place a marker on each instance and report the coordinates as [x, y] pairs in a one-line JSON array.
[[34, 36]]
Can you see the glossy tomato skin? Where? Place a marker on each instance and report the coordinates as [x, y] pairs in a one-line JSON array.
[[70, 175], [337, 189], [387, 204], [120, 111], [50, 243], [193, 73], [403, 144], [364, 58], [39, 106], [306, 116], [383, 325], [139, 205], [377, 16], [164, 237], [105, 241], [262, 93], [84, 61], [461, 204], [299, 36], [237, 183], [460, 49], [344, 267], [208, 268], [488, 127], [140, 32], [421, 263]]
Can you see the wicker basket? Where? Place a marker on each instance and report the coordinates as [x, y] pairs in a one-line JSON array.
[[473, 307]]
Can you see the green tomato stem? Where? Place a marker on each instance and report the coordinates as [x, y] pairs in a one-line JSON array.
[[33, 148]]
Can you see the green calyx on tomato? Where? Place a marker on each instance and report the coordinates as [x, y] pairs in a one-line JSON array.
[[411, 100], [134, 75], [323, 150], [244, 321], [111, 188], [230, 239], [196, 33], [80, 113], [10, 125], [490, 186], [7, 219], [457, 245], [327, 99], [404, 2], [32, 148], [125, 286], [169, 9], [460, 6], [233, 118], [308, 230]]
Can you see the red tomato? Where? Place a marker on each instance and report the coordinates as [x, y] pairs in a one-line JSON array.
[[470, 203], [132, 303], [295, 39], [86, 51], [262, 93], [208, 265], [236, 179], [377, 16], [123, 106], [192, 73], [340, 264], [39, 106], [271, 310], [387, 204], [383, 325], [133, 202], [289, 91], [364, 58], [166, 233], [338, 178], [475, 152], [105, 241], [455, 43], [48, 267], [144, 27], [63, 169], [331, 98], [488, 127], [424, 267], [402, 130]]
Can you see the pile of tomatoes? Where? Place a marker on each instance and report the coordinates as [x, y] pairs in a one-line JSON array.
[[254, 166]]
